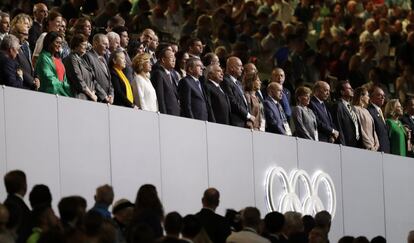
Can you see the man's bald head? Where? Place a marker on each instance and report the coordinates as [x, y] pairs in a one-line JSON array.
[[211, 198], [40, 12], [322, 90], [234, 66]]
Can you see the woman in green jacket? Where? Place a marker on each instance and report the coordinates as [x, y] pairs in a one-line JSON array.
[[397, 132], [50, 69]]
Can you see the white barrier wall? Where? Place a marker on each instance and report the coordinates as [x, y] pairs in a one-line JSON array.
[[3, 165], [74, 146]]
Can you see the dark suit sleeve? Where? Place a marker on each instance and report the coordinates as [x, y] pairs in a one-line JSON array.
[[207, 94], [236, 107], [273, 123], [184, 91], [157, 82], [338, 116], [323, 127], [10, 74]]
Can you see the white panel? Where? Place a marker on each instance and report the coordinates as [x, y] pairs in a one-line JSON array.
[[32, 137], [135, 150], [84, 147], [230, 160], [363, 194], [183, 163], [3, 167], [271, 150], [314, 156], [399, 199]]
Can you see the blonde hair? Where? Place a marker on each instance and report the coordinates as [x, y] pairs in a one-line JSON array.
[[19, 19], [139, 60], [390, 108]]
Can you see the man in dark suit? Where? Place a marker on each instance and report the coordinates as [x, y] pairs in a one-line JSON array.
[[216, 226], [39, 14], [326, 127], [278, 76], [192, 97], [24, 57], [218, 100], [164, 85], [274, 223], [96, 60], [345, 117], [276, 120], [19, 221], [408, 120], [234, 90], [377, 99], [10, 74]]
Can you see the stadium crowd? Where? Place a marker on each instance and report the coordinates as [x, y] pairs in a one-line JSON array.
[[145, 221], [206, 60]]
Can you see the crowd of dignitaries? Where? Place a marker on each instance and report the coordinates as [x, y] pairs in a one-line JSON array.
[[197, 79], [146, 222]]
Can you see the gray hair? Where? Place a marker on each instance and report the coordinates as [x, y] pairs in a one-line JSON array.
[[191, 62], [9, 41], [4, 15], [97, 38], [112, 36], [209, 70]]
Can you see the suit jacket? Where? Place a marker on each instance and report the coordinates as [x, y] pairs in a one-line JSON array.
[[167, 95], [80, 75], [19, 216], [239, 109], [8, 72], [274, 120], [408, 121], [381, 129], [305, 122], [324, 119], [128, 70], [120, 91], [346, 126], [216, 226], [220, 103], [102, 75], [25, 63], [192, 100]]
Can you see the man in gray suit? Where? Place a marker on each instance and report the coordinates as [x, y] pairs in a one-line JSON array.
[[96, 59]]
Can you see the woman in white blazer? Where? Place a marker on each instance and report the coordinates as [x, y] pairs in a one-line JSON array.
[[144, 93]]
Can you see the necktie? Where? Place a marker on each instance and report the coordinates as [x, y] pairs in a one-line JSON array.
[[239, 86], [171, 79], [199, 86], [381, 115], [282, 112], [354, 119]]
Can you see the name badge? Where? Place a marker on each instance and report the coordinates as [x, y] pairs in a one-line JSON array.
[[287, 129]]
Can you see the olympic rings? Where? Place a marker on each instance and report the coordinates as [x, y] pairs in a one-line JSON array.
[[290, 201]]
